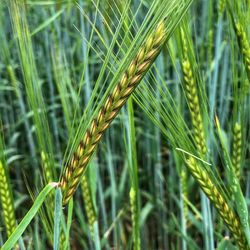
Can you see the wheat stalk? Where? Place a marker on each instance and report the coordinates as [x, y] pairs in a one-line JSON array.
[[7, 201], [183, 179], [130, 79], [210, 54], [236, 154], [212, 192]]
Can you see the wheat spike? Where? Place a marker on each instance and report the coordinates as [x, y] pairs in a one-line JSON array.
[[7, 201], [193, 101], [134, 216], [212, 192], [130, 79], [244, 46], [88, 203], [236, 154]]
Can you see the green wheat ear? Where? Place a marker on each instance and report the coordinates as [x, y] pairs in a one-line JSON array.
[[134, 216], [191, 92], [88, 203], [7, 201], [244, 45], [225, 211], [74, 170], [237, 150]]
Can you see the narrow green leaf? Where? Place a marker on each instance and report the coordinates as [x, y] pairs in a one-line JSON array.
[[47, 22], [69, 221], [28, 217], [57, 216]]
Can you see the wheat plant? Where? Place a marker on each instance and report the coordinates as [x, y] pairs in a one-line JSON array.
[[136, 70], [7, 201], [210, 189], [237, 149], [120, 98]]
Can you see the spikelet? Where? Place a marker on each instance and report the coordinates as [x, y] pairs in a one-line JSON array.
[[193, 101], [62, 240], [212, 192], [134, 216], [88, 203], [236, 154], [74, 170], [244, 46], [7, 201]]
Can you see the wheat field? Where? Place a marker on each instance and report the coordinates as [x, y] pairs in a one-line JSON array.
[[124, 124]]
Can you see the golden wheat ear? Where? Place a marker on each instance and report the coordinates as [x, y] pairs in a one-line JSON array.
[[138, 67]]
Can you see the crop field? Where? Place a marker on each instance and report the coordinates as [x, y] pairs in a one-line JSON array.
[[124, 124]]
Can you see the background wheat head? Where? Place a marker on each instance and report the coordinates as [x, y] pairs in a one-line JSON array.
[[237, 150], [244, 45], [225, 211], [7, 201]]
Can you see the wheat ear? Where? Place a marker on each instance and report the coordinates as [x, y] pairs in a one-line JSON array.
[[244, 46], [212, 192], [88, 203], [7, 201], [134, 216], [130, 79], [237, 145], [193, 100]]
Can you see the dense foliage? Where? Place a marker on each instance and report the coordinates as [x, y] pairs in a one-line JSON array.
[[131, 115]]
